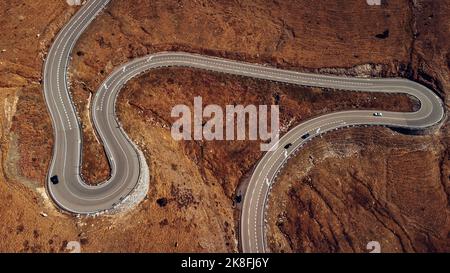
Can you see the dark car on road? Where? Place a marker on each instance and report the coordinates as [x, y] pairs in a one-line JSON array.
[[238, 198], [54, 179], [287, 146], [305, 136]]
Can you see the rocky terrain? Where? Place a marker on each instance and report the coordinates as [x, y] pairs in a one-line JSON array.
[[190, 203], [29, 223], [367, 185], [354, 186]]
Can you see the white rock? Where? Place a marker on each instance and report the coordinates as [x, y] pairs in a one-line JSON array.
[[373, 2], [73, 2]]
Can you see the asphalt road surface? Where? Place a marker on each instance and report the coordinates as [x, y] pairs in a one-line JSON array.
[[74, 195]]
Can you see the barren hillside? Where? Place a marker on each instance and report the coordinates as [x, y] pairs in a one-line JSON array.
[[190, 203]]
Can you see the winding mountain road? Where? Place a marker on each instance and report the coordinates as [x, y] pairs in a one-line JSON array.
[[72, 194]]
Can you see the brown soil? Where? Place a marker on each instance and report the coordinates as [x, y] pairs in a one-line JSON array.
[[367, 185], [360, 185], [189, 206], [26, 132]]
